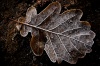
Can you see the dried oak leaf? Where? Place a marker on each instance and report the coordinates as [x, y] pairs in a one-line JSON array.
[[68, 38]]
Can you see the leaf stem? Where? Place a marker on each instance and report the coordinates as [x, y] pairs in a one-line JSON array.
[[37, 27]]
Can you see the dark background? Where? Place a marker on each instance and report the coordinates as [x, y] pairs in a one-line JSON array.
[[17, 52]]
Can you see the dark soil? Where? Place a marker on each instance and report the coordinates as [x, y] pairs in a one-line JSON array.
[[15, 49]]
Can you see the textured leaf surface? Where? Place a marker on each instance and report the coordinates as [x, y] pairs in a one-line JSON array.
[[68, 38]]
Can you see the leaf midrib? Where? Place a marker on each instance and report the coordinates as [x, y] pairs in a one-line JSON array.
[[47, 30]]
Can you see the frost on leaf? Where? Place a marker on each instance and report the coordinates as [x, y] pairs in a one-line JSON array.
[[68, 38]]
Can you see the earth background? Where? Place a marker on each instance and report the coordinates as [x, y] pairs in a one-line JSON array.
[[15, 49]]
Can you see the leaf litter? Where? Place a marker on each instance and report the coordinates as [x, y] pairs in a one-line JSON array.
[[68, 38]]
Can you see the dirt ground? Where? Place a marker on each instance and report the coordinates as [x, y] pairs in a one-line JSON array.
[[15, 49]]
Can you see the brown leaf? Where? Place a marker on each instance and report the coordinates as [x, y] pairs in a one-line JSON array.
[[68, 38]]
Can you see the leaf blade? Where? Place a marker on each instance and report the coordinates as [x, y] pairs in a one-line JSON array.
[[64, 33]]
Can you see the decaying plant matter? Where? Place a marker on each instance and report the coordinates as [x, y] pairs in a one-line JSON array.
[[68, 38]]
